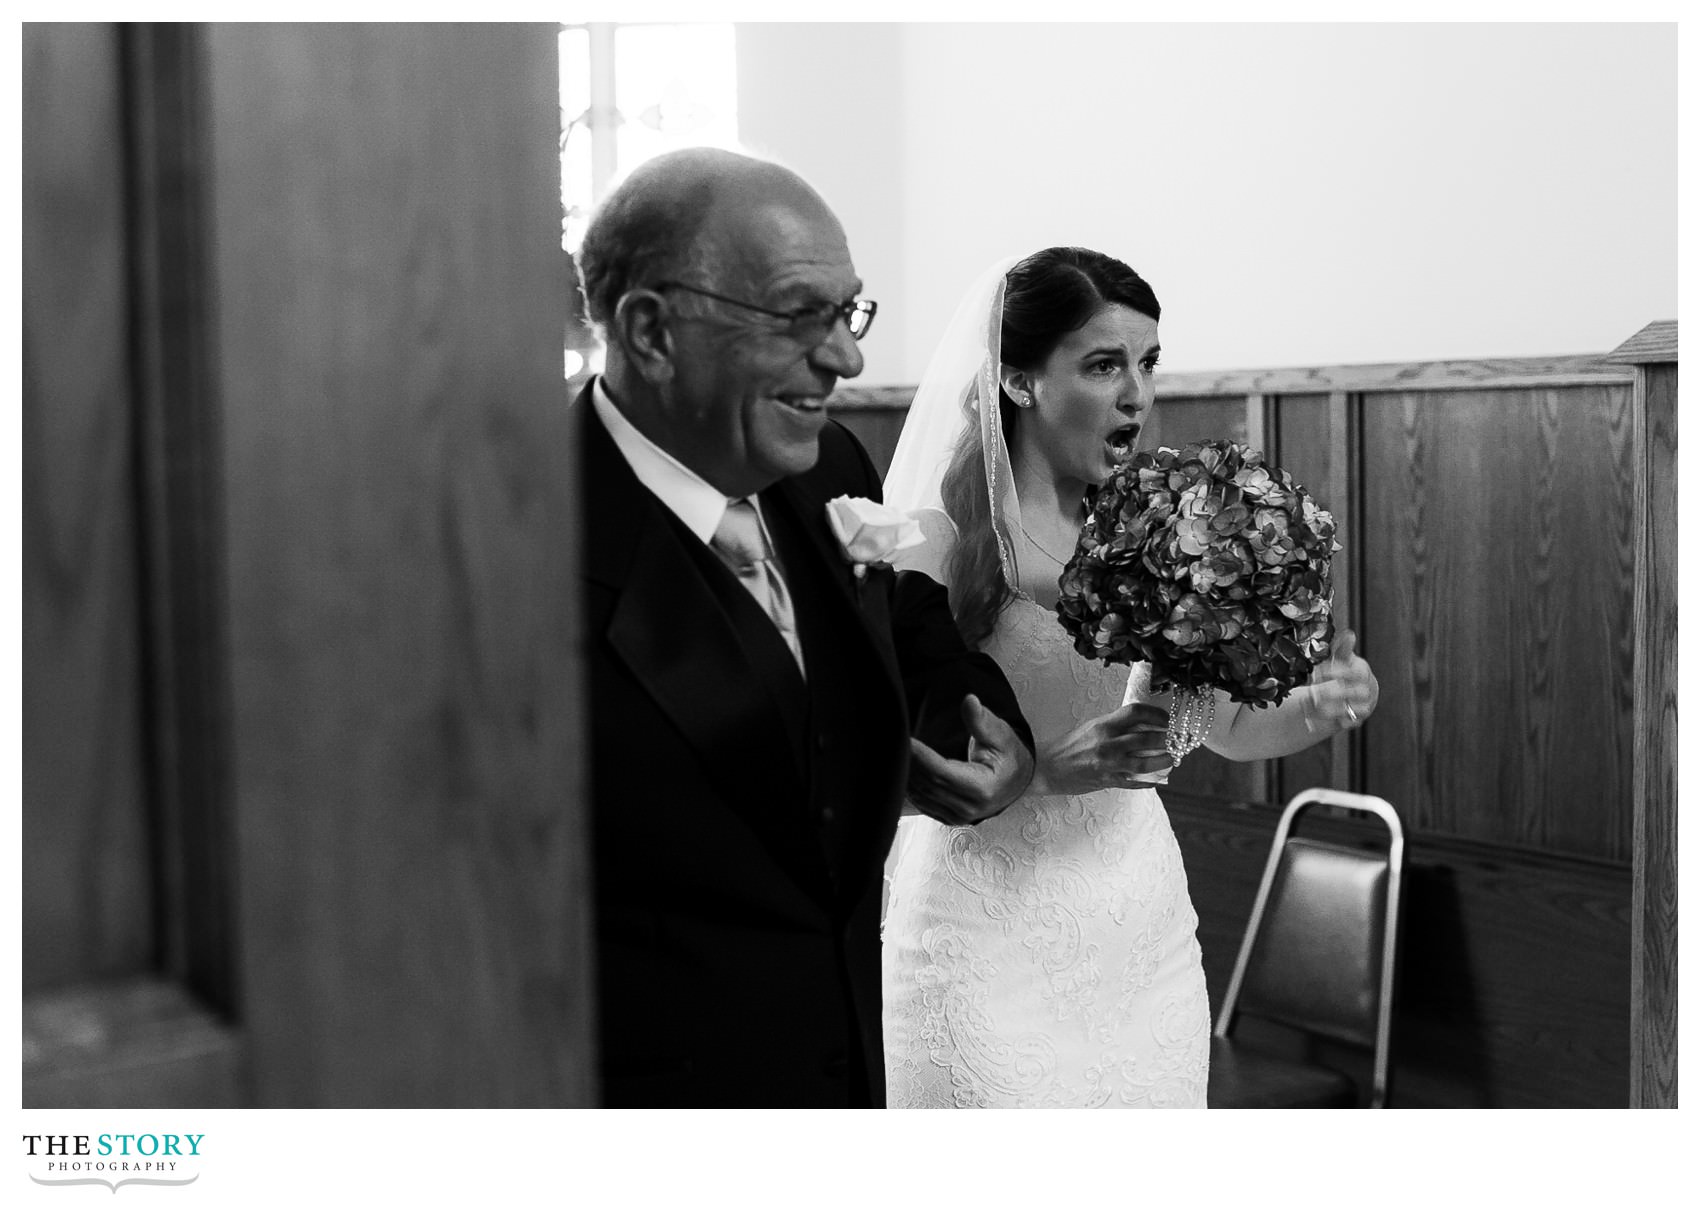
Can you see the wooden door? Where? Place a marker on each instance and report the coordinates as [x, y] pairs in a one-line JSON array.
[[303, 750]]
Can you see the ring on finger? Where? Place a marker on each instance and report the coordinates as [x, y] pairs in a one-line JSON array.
[[1350, 713]]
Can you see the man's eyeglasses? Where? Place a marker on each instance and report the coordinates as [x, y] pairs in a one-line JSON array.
[[807, 323]]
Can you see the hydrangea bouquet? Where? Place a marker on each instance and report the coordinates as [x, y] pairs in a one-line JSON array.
[[1211, 566]]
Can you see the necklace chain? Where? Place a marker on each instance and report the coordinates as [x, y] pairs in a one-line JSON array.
[[1041, 549]]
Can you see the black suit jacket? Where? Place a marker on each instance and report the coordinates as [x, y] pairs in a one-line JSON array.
[[741, 816]]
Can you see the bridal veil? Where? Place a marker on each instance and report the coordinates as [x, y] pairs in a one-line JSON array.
[[960, 388]]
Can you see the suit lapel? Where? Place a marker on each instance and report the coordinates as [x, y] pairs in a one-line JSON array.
[[804, 522], [677, 639], [851, 632]]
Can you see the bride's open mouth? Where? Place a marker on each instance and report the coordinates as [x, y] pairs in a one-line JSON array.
[[1121, 442]]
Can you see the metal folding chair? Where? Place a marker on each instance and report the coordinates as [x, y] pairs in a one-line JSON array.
[[1318, 956]]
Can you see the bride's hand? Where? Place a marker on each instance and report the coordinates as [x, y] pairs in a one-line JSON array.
[[1344, 690], [1122, 749]]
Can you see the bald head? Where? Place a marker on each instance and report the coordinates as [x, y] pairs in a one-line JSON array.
[[708, 272], [688, 214]]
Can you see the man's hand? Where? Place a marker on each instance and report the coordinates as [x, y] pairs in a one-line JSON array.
[[958, 792]]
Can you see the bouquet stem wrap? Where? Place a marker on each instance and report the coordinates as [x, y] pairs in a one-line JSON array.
[[1190, 719]]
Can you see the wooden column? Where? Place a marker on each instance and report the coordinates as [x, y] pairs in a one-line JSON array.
[[1652, 1079]]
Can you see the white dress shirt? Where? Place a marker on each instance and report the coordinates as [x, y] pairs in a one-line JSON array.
[[695, 501]]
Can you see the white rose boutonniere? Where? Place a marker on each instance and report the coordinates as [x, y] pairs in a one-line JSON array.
[[870, 532]]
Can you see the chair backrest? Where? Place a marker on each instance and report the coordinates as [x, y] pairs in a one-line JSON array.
[[1317, 961], [1321, 945]]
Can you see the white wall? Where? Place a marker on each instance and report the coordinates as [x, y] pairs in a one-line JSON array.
[[1297, 194], [825, 100]]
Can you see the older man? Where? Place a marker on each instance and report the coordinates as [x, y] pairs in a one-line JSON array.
[[753, 698]]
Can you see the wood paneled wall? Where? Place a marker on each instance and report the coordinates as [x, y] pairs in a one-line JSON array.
[[1498, 568], [1486, 511], [402, 536], [1488, 514], [1487, 573]]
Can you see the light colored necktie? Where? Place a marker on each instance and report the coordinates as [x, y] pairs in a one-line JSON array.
[[743, 547]]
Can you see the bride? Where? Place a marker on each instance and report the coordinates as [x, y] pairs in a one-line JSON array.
[[1048, 956]]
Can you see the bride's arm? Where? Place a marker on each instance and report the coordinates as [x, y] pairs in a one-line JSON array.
[[1241, 733], [1341, 695]]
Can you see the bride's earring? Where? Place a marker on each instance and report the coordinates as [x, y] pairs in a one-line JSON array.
[[1024, 400]]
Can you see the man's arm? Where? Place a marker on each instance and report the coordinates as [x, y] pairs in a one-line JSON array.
[[972, 748], [972, 758], [939, 670]]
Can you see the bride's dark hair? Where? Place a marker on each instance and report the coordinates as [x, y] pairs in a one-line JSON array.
[[1046, 296]]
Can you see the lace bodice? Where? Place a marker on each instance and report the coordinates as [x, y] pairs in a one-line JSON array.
[[1032, 648], [1046, 956]]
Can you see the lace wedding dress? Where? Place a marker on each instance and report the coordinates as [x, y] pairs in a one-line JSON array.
[[1048, 956]]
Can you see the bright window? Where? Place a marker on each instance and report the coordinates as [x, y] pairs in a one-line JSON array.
[[631, 92], [628, 93]]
